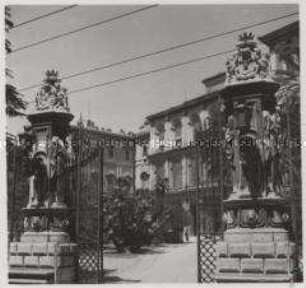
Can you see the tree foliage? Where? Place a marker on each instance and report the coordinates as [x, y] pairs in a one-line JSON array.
[[14, 100], [130, 222]]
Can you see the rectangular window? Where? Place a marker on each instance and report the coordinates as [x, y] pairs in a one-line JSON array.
[[160, 171], [127, 154], [177, 174], [144, 150], [110, 153], [192, 172]]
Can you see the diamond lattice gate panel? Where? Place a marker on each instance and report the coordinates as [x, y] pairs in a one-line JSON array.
[[207, 257], [90, 263]]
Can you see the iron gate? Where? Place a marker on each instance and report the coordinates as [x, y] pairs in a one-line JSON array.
[[88, 203], [209, 195]]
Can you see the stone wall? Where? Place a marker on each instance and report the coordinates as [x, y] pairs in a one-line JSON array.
[[34, 258], [254, 256]]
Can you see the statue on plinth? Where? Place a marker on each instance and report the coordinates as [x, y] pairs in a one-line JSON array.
[[256, 215], [38, 181], [52, 149], [52, 96]]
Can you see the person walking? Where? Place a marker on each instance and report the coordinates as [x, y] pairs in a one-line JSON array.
[[187, 226], [187, 221]]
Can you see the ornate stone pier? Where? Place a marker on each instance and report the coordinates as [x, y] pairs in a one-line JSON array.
[[256, 245], [45, 253]]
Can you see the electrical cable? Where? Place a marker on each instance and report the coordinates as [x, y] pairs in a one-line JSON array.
[[69, 76], [81, 29], [43, 16]]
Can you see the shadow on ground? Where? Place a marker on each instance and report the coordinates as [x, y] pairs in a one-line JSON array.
[[142, 251], [109, 278]]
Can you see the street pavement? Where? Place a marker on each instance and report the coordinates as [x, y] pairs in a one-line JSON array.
[[164, 263]]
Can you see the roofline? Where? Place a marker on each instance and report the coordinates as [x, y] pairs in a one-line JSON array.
[[215, 76], [102, 133], [184, 105], [271, 37], [143, 135]]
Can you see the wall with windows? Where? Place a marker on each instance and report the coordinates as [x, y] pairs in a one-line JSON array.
[[118, 156], [171, 138]]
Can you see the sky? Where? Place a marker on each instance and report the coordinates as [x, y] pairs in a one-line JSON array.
[[125, 105]]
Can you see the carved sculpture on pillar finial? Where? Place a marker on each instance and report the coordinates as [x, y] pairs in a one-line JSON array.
[[52, 96], [248, 63]]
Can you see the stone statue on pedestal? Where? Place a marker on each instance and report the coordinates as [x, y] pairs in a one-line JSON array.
[[38, 182], [47, 219], [256, 217], [52, 95]]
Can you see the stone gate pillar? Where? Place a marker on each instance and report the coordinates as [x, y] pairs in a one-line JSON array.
[[45, 253], [256, 245]]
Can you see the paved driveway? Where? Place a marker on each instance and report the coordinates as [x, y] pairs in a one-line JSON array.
[[166, 263]]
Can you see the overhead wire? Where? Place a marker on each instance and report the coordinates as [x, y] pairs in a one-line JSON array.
[[43, 16], [148, 72], [213, 36], [82, 28]]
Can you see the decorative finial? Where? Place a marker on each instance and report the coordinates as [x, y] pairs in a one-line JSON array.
[[246, 37], [248, 63], [52, 96]]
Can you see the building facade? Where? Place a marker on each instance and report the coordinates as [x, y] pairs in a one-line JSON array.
[[118, 154], [171, 139]]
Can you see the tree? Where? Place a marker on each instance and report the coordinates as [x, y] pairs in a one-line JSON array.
[[14, 100], [129, 222]]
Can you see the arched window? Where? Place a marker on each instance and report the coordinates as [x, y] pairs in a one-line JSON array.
[[206, 123], [160, 132], [177, 129]]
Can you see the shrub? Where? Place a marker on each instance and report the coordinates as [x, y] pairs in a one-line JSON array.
[[130, 222]]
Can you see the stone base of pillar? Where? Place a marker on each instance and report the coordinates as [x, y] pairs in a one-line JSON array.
[[255, 255], [42, 253], [44, 237]]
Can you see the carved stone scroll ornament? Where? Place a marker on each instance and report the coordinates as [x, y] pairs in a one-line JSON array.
[[38, 222], [230, 219], [59, 223], [264, 216], [248, 63], [251, 218], [35, 223], [279, 218]]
